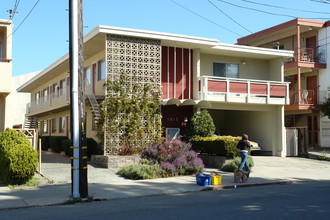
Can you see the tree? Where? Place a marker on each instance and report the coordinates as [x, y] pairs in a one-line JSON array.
[[201, 125]]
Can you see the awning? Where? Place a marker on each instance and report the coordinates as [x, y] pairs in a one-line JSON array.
[[182, 102]]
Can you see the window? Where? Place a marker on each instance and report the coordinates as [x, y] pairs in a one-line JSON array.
[[45, 94], [55, 89], [62, 87], [61, 124], [101, 70], [88, 74], [37, 97], [229, 70], [44, 126], [53, 125]]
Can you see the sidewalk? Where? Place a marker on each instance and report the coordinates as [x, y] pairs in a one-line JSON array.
[[105, 184]]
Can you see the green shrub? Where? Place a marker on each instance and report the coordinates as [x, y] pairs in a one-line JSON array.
[[201, 125], [44, 142], [55, 143], [233, 164], [140, 171], [220, 145], [18, 160], [93, 148]]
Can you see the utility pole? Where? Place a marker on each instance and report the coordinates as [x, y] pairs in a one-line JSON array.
[[77, 105]]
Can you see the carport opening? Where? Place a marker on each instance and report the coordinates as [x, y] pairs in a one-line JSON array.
[[257, 124]]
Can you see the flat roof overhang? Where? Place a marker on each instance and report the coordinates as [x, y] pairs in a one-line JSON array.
[[280, 31], [94, 42]]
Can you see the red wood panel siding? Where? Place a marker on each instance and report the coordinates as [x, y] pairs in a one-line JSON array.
[[237, 87], [278, 90], [171, 71], [177, 73], [217, 86], [186, 73], [164, 78], [260, 89]]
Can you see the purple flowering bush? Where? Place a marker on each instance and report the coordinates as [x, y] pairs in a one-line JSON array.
[[174, 158]]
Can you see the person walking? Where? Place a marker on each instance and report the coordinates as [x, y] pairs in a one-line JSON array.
[[244, 146]]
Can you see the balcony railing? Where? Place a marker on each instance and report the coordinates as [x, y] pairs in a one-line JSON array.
[[243, 90], [49, 100], [308, 97], [5, 60], [317, 55]]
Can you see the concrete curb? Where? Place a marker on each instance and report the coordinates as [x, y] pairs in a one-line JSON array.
[[235, 186]]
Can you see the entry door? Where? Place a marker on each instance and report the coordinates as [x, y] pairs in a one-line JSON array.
[[312, 86], [311, 44]]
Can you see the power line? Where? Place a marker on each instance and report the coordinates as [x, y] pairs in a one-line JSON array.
[[266, 12], [205, 18], [13, 11], [26, 17], [280, 7], [230, 17], [322, 1]]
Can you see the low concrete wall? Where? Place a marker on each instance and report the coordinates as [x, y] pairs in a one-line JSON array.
[[114, 162], [213, 161]]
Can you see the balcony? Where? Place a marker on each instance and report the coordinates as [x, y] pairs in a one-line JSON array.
[[309, 58], [309, 100], [222, 89], [50, 102]]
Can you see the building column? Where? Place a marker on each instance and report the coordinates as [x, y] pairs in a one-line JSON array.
[[313, 128], [298, 60]]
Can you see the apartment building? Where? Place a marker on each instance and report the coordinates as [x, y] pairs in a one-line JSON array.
[[5, 68], [242, 87], [308, 74]]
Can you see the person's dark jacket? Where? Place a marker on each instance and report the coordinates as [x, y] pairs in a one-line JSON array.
[[244, 145]]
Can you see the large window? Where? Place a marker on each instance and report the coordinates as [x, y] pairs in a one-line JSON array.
[[53, 125], [101, 70], [229, 70], [62, 124]]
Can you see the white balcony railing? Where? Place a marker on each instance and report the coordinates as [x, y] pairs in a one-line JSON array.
[[50, 100], [214, 88]]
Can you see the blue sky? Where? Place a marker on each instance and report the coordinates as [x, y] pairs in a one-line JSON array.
[[42, 38]]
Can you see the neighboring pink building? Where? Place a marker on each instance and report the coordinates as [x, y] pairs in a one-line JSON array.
[[308, 74]]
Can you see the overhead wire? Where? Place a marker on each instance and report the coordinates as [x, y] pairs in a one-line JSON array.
[[286, 8], [229, 17], [26, 16], [262, 11], [14, 11], [195, 13]]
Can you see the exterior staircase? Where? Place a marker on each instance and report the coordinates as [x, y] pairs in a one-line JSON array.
[[30, 123], [93, 101]]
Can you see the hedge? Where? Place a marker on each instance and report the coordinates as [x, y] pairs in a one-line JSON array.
[[44, 142], [218, 145], [55, 143], [92, 147], [18, 159]]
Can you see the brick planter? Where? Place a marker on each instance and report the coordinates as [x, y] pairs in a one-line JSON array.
[[114, 162]]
